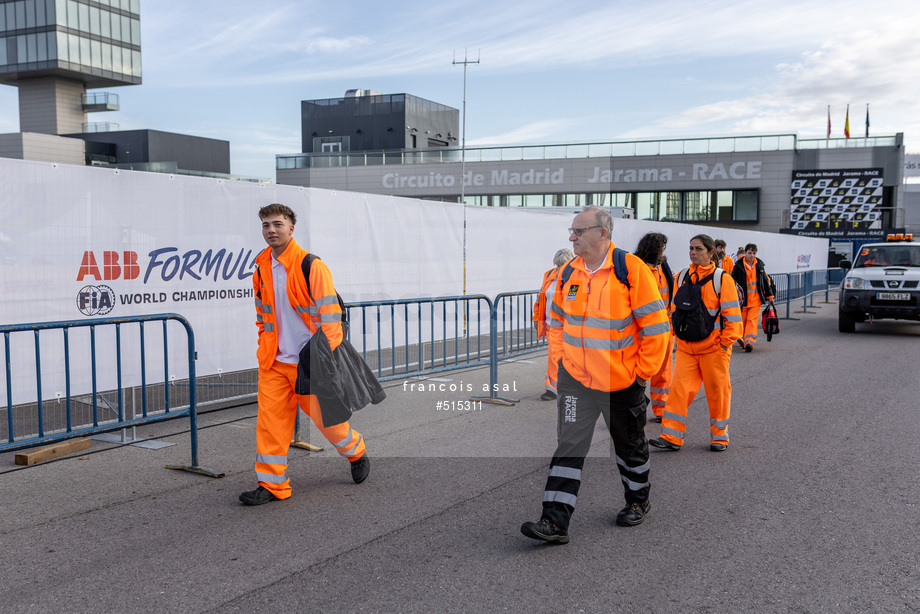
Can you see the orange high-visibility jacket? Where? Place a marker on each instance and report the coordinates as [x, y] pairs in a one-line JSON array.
[[611, 333], [728, 327], [539, 308], [325, 311], [728, 263], [662, 282]]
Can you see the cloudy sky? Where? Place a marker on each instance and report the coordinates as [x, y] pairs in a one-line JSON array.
[[549, 71]]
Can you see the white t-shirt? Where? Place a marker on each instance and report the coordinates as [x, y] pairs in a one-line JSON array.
[[292, 331]]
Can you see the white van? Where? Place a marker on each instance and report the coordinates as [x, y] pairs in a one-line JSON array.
[[883, 282]]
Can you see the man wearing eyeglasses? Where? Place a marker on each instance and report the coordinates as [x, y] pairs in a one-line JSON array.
[[615, 337]]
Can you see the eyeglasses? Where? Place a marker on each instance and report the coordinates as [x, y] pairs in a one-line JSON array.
[[580, 231]]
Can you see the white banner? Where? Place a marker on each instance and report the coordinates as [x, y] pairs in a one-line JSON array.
[[81, 242]]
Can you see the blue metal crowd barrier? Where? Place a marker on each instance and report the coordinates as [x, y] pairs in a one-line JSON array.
[[453, 337], [39, 434]]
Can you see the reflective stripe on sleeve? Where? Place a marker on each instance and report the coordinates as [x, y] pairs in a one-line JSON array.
[[656, 329], [327, 300], [648, 308], [269, 327], [330, 318]]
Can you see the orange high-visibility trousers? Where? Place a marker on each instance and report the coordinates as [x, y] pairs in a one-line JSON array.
[[553, 356], [750, 316], [660, 384], [275, 427], [691, 371]]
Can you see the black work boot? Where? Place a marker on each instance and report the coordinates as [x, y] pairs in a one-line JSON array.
[[360, 469], [259, 496], [633, 514], [545, 530]]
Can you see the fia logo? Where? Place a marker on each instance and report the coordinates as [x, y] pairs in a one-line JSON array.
[[95, 300]]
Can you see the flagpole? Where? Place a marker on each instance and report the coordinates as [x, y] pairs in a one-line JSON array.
[[827, 141]]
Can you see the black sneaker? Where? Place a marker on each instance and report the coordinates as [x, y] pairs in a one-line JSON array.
[[259, 496], [749, 348], [741, 342], [549, 395], [360, 469], [664, 444], [633, 514], [546, 531], [717, 447]]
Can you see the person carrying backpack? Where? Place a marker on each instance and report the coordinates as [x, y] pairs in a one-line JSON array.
[[706, 320], [650, 250]]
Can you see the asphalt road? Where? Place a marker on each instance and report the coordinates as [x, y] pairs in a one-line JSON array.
[[815, 507]]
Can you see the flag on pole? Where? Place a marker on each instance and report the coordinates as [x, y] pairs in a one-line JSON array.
[[828, 122], [867, 120], [846, 125]]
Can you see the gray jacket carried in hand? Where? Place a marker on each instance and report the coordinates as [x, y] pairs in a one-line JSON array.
[[340, 379]]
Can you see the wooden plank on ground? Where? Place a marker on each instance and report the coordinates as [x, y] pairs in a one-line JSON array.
[[40, 455]]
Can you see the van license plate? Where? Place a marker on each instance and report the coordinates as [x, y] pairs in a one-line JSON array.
[[893, 296]]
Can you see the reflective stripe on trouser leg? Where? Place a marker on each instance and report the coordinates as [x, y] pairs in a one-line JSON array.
[[577, 414], [347, 441], [685, 383], [750, 317], [275, 427], [718, 393]]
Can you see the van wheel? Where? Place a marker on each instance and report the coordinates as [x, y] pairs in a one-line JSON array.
[[846, 323]]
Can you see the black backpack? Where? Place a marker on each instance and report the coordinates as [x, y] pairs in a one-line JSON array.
[[691, 320]]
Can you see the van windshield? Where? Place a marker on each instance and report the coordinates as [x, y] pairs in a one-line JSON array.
[[888, 255]]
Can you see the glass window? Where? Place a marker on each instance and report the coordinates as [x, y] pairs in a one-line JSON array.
[[31, 48], [116, 26], [724, 202], [623, 199], [20, 14], [83, 11], [73, 44], [53, 39], [10, 17], [40, 18], [647, 205], [106, 25], [106, 57], [697, 206], [96, 54], [135, 32], [135, 6], [670, 206], [514, 200], [21, 55], [135, 63], [533, 200], [746, 205], [3, 60], [73, 17], [95, 21], [86, 58], [125, 29], [30, 13], [2, 19]]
